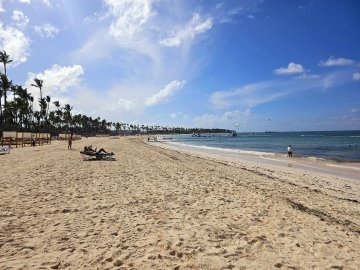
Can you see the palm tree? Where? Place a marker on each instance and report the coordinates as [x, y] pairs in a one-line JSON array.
[[22, 105], [48, 99], [67, 114], [4, 58], [1, 94], [5, 85], [43, 106], [58, 113], [38, 84], [14, 89], [31, 115], [38, 118]]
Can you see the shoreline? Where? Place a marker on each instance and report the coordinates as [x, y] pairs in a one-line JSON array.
[[350, 170], [156, 208]]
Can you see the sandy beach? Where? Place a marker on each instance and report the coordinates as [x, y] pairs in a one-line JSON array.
[[157, 208]]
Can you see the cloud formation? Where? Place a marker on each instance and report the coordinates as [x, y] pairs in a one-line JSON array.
[[226, 119], [46, 30], [122, 104], [331, 62], [1, 6], [130, 16], [196, 26], [292, 68], [47, 3], [252, 95], [356, 76], [307, 76], [20, 19], [166, 92], [15, 43], [57, 79]]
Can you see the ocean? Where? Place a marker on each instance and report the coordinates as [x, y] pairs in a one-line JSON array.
[[340, 146]]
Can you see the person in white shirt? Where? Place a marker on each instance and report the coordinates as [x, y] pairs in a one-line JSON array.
[[289, 151]]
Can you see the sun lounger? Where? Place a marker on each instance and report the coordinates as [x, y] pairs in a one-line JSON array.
[[92, 155], [4, 150]]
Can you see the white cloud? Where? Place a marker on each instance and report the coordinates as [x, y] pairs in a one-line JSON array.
[[219, 5], [227, 119], [196, 26], [252, 95], [20, 19], [47, 3], [122, 104], [175, 115], [356, 76], [56, 80], [46, 30], [166, 92], [130, 16], [292, 68], [307, 76], [236, 11], [234, 15], [1, 6], [127, 38], [336, 62], [354, 110], [25, 1], [15, 43]]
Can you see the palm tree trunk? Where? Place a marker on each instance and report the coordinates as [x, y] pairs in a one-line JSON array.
[[1, 113]]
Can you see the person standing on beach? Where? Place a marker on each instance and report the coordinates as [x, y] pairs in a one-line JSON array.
[[70, 141], [289, 151]]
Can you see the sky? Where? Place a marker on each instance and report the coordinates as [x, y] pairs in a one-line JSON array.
[[248, 65]]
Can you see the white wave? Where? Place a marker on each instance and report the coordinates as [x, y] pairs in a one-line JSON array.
[[313, 158], [353, 166], [234, 151]]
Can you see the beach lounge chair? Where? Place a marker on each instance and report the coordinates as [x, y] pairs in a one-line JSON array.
[[89, 154], [4, 150]]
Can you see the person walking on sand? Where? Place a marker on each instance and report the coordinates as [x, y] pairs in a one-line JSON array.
[[70, 141], [289, 151]]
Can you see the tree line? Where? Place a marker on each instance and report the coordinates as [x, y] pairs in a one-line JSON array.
[[19, 114]]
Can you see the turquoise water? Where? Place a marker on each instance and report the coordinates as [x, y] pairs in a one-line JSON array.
[[340, 146]]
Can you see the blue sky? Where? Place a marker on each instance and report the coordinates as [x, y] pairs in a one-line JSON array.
[[244, 64]]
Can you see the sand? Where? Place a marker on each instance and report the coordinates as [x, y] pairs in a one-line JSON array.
[[156, 208]]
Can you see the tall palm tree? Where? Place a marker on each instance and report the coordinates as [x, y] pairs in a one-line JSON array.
[[67, 114], [14, 90], [43, 106], [5, 85], [37, 116], [31, 115], [1, 94], [58, 113], [38, 84], [22, 101], [4, 58], [48, 99]]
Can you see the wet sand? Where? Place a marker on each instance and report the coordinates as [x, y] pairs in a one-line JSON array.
[[349, 170], [156, 208]]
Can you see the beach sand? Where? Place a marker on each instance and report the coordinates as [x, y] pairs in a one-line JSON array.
[[156, 208]]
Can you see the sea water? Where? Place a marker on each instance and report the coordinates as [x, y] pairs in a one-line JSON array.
[[341, 146]]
